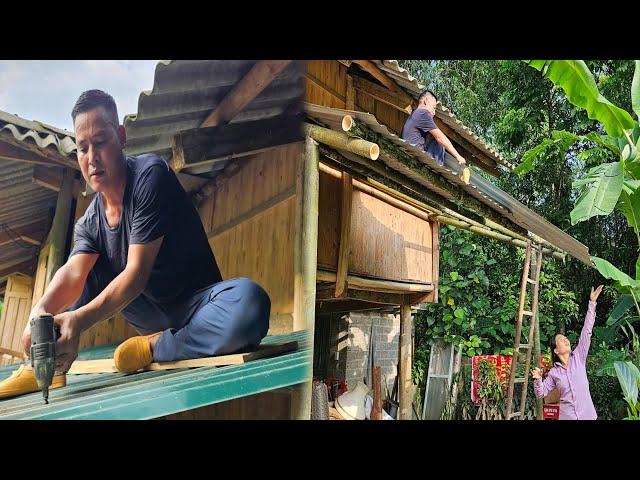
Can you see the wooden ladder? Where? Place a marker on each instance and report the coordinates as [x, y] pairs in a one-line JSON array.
[[533, 315]]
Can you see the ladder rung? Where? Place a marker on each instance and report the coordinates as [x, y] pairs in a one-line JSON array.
[[524, 345], [527, 312], [515, 414], [519, 380], [532, 281]]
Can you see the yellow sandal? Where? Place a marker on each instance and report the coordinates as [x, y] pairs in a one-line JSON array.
[[22, 381], [134, 354]]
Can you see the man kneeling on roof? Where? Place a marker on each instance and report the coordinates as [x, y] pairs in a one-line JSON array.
[[140, 248], [421, 130]]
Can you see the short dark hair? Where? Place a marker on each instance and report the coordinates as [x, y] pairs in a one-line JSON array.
[[95, 98], [424, 94]]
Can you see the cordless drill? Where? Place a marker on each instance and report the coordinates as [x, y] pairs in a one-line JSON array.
[[43, 351]]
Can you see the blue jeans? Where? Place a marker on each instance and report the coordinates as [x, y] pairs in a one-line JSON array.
[[227, 317], [233, 317]]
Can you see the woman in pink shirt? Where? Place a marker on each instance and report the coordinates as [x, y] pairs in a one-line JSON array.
[[569, 373]]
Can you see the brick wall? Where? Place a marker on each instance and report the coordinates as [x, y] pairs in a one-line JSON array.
[[385, 333], [348, 335]]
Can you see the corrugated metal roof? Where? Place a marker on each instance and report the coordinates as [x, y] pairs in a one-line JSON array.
[[414, 88], [40, 135], [478, 187], [185, 92], [146, 395], [21, 203]]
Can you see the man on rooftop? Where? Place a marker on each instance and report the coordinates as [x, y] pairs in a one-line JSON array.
[[421, 130], [140, 249]]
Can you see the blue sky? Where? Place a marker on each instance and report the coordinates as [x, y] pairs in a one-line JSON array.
[[45, 90]]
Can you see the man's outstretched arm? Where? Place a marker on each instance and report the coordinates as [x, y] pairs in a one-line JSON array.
[[116, 296], [66, 285], [443, 140]]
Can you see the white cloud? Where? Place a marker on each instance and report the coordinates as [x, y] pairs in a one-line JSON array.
[[46, 90]]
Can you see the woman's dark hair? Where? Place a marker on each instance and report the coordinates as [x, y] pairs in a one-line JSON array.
[[552, 344]]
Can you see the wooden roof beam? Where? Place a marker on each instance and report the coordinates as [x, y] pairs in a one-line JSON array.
[[398, 100], [31, 233], [372, 68], [25, 267], [252, 84], [201, 148], [47, 177]]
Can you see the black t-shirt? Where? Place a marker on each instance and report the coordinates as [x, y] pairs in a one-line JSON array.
[[154, 205], [416, 131]]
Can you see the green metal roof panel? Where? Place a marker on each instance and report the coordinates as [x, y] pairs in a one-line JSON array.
[[153, 394]]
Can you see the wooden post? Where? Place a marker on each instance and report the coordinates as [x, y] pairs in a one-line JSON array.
[[406, 327], [351, 94], [58, 233], [376, 410], [345, 235], [306, 263]]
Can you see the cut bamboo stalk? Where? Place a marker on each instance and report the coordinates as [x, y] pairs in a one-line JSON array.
[[107, 365], [342, 141], [347, 123], [362, 283]]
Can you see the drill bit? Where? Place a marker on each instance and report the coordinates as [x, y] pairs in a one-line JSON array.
[[45, 394]]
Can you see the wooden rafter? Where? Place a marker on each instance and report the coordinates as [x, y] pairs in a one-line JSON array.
[[372, 68], [31, 233], [251, 85]]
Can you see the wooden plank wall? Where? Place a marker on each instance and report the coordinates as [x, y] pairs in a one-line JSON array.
[[326, 85], [250, 222], [15, 315], [386, 242]]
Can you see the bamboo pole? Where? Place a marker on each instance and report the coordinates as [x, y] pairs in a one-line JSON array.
[[306, 264], [406, 326], [342, 141], [362, 283], [58, 233]]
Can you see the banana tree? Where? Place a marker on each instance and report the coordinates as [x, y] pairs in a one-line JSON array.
[[609, 186]]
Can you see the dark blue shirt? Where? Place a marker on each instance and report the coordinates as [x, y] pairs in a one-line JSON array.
[[154, 205], [416, 131]]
